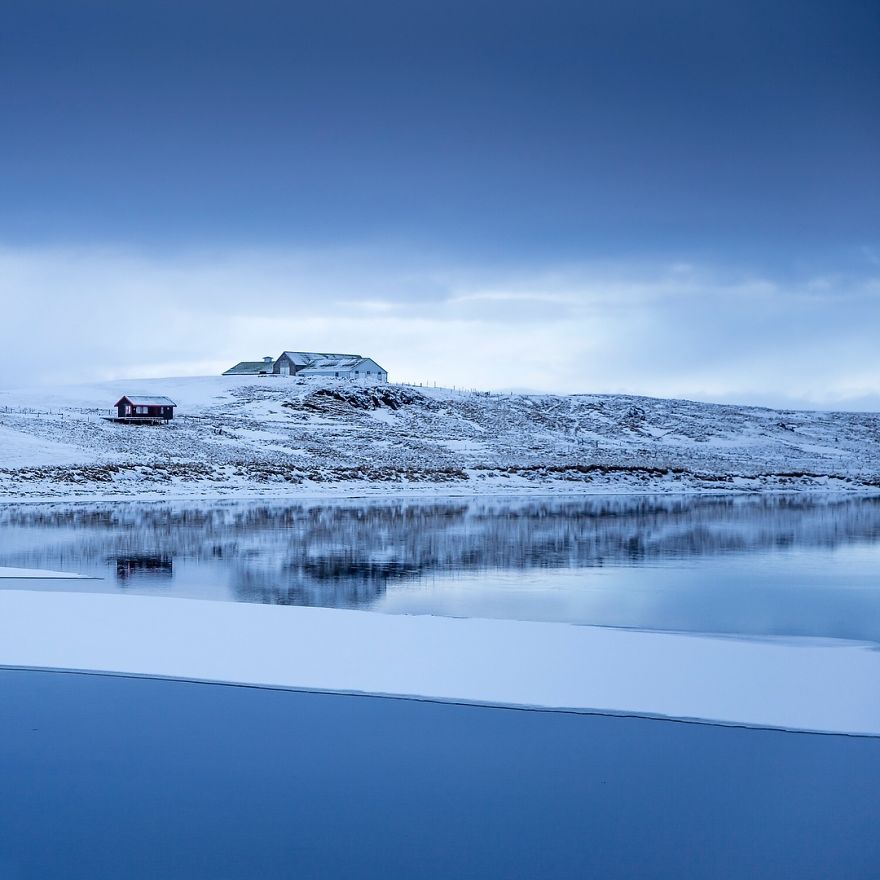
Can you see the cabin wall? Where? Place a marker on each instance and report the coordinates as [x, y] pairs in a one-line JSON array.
[[128, 410]]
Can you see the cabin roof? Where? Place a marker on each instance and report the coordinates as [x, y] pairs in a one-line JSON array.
[[249, 368], [145, 400]]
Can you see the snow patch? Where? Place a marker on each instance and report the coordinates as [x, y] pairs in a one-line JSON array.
[[796, 685], [39, 573]]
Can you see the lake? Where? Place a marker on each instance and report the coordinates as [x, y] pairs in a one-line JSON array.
[[748, 566], [112, 777], [109, 776]]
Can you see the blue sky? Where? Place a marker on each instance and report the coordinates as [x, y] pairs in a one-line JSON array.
[[665, 198]]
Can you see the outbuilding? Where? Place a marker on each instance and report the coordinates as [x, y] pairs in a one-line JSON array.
[[290, 363], [251, 368], [356, 368], [142, 408]]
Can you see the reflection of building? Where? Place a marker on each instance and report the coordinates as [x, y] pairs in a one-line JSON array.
[[326, 583], [153, 566]]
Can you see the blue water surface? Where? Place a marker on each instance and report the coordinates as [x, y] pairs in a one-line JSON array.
[[761, 565], [113, 777]]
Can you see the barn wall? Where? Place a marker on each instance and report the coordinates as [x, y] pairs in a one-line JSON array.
[[276, 368], [370, 364]]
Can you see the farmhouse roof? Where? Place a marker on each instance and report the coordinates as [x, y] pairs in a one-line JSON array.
[[331, 365], [145, 400], [337, 362], [306, 358]]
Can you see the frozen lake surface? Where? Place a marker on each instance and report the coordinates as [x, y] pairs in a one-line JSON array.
[[108, 777], [116, 776], [740, 565]]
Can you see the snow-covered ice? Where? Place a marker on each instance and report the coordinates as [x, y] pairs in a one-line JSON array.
[[803, 685], [37, 573]]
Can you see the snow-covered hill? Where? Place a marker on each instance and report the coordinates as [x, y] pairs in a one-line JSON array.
[[236, 435]]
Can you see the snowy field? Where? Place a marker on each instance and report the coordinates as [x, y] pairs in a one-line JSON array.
[[283, 436]]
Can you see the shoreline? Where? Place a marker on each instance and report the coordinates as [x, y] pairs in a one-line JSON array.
[[418, 493]]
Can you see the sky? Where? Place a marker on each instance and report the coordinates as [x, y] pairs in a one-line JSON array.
[[674, 199]]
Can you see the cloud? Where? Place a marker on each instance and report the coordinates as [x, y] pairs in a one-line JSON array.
[[671, 329]]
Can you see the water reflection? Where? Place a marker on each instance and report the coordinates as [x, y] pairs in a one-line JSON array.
[[748, 564], [154, 565]]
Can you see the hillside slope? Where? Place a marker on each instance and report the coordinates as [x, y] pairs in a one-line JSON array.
[[274, 435]]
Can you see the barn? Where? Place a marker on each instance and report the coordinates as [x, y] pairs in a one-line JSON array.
[[289, 363], [313, 364], [365, 369], [251, 368], [141, 408]]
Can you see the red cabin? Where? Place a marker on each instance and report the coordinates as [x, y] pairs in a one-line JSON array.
[[145, 409]]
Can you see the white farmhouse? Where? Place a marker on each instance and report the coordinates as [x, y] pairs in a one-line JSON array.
[[313, 364], [290, 363], [365, 369]]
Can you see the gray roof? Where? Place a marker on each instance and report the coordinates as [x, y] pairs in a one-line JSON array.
[[145, 400], [304, 358], [328, 366], [249, 368], [334, 362]]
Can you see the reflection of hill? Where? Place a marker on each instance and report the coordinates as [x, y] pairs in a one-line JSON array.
[[329, 583], [347, 553]]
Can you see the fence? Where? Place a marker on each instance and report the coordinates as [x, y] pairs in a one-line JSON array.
[[461, 388], [56, 411]]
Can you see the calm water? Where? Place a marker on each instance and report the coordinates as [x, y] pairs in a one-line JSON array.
[[141, 779], [752, 566]]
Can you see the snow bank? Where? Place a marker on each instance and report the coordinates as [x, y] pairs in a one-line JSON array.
[[37, 573], [801, 685], [19, 449]]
